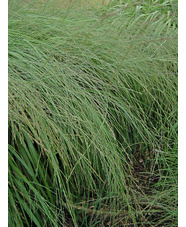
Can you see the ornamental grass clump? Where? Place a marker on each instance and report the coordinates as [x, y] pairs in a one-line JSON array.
[[92, 117]]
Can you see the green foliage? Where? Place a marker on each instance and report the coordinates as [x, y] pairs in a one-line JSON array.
[[92, 115]]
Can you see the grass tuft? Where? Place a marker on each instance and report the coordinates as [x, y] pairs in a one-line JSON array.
[[92, 113]]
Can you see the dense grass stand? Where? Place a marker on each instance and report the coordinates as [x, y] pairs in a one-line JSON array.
[[92, 113]]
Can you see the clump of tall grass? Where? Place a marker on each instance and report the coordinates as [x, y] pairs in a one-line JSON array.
[[92, 117]]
